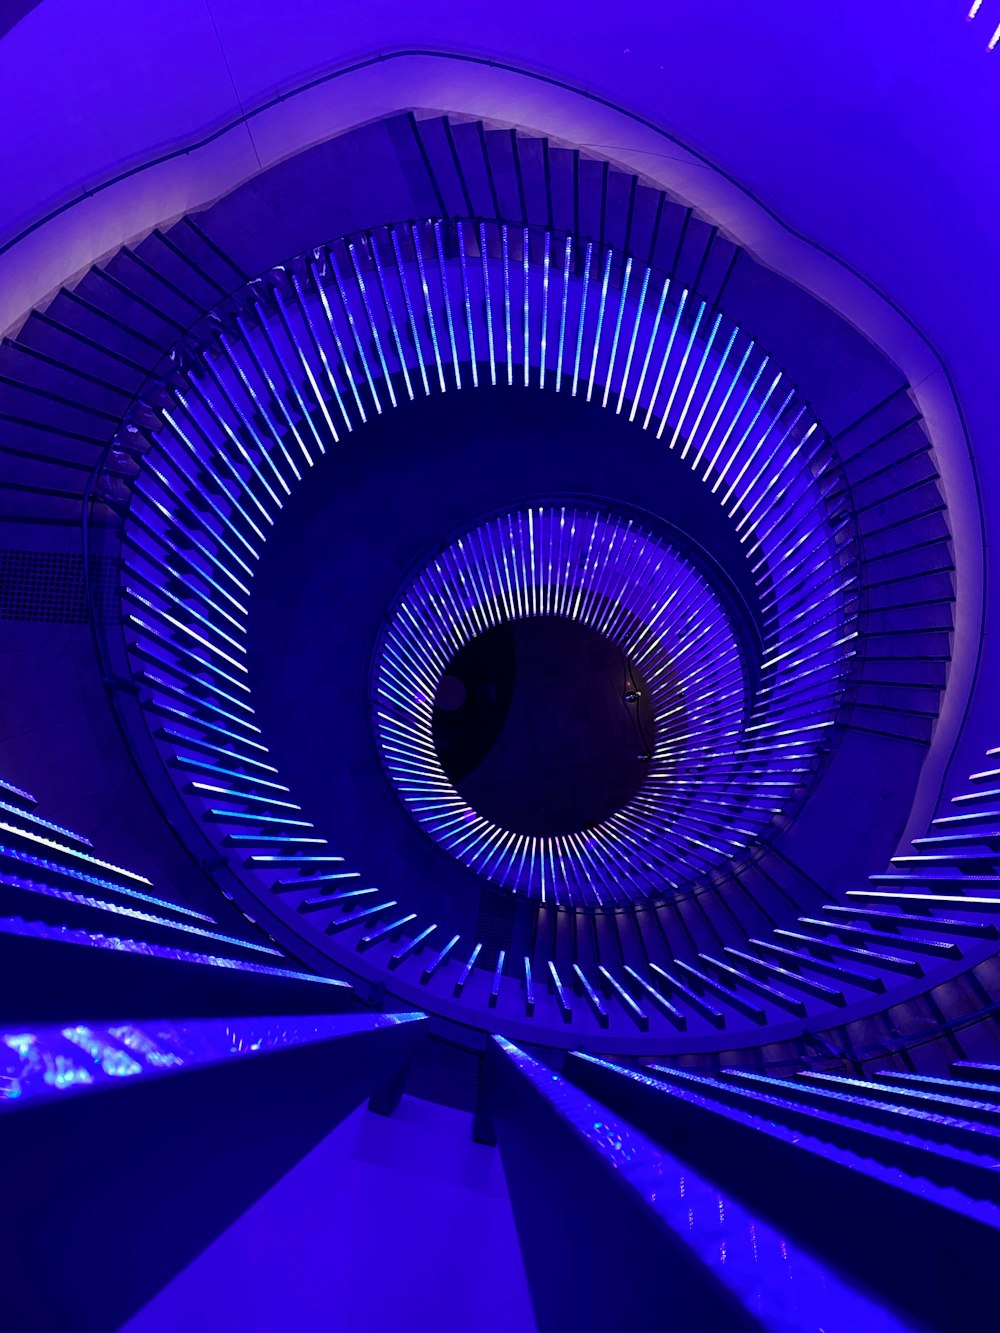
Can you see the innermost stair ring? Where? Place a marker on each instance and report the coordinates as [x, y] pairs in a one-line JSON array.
[[605, 572]]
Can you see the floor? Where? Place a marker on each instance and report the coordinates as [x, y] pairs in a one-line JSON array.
[[391, 1223]]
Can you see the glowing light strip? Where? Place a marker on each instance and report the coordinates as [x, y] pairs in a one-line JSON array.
[[352, 324], [468, 305], [602, 306], [248, 346], [506, 300], [268, 331], [443, 275], [317, 268], [17, 791], [632, 341], [360, 280], [134, 913], [526, 344], [41, 841], [65, 935], [318, 396], [545, 310], [221, 454], [69, 872], [610, 374], [584, 287], [486, 293], [305, 307], [393, 324], [428, 307], [20, 813]]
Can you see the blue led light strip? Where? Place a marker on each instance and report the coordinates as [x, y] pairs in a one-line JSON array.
[[52, 1063], [65, 935], [119, 909]]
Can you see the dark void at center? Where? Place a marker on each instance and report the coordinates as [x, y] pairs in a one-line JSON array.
[[532, 726]]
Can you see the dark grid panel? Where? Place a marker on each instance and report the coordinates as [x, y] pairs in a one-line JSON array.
[[494, 927], [49, 587]]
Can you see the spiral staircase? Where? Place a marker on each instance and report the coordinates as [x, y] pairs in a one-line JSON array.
[[267, 469]]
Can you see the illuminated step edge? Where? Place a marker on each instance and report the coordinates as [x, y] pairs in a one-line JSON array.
[[53, 845], [723, 1258], [16, 884], [81, 1057], [25, 798], [609, 995], [938, 1125], [893, 1200], [37, 820], [66, 935], [836, 1120], [96, 881]]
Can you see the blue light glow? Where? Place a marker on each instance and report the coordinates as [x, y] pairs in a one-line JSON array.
[[52, 1062]]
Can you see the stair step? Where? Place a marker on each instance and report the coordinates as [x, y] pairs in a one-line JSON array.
[[972, 797], [924, 1100], [702, 981], [697, 1002], [948, 1130], [130, 328], [985, 930], [982, 1073], [829, 1117], [21, 896], [936, 948], [956, 860], [153, 306], [818, 990], [932, 881], [181, 272], [953, 902], [747, 1140], [74, 335], [867, 956], [956, 1087], [662, 1003], [26, 366], [559, 1145], [218, 267], [849, 976], [768, 992], [986, 836]]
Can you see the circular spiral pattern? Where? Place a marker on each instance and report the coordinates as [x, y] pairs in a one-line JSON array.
[[280, 374], [605, 572]]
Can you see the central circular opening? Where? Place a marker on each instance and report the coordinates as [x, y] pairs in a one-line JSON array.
[[533, 728], [560, 699]]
